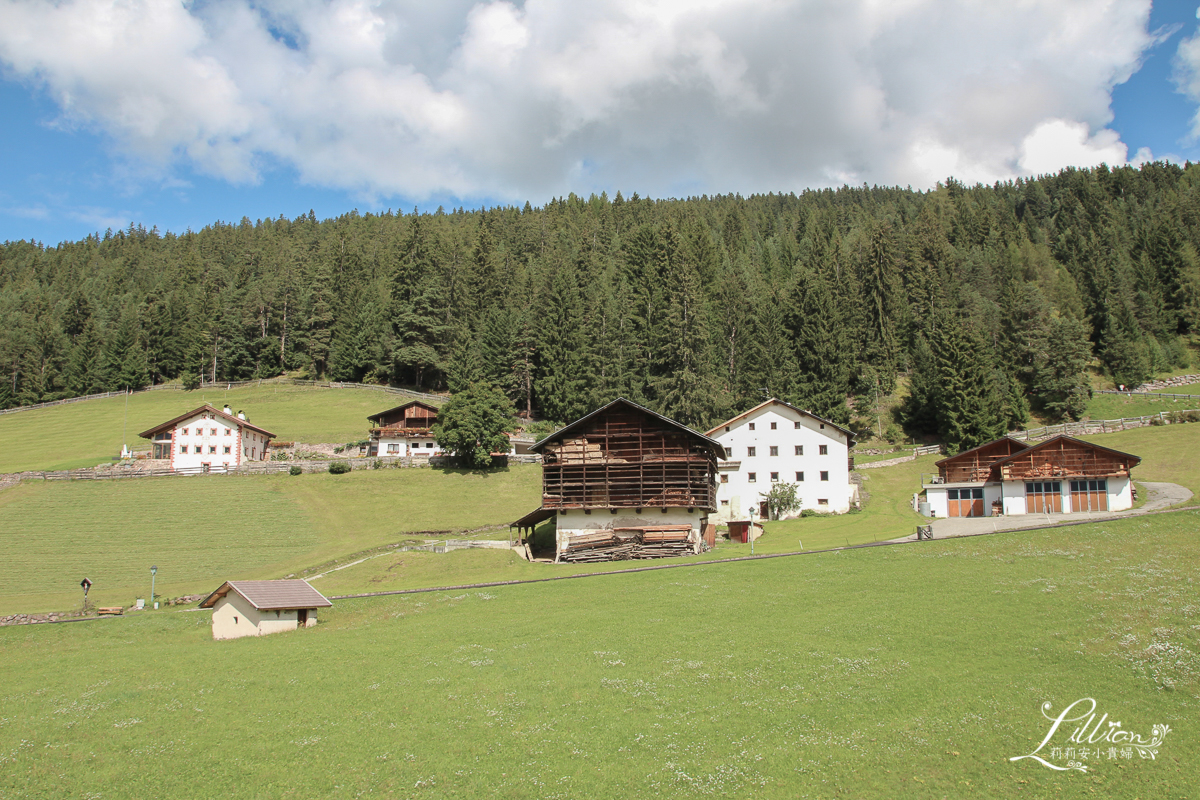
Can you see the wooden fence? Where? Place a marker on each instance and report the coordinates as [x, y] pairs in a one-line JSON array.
[[1096, 426], [1151, 395], [434, 398]]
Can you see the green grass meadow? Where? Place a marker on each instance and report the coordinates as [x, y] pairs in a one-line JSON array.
[[907, 671], [91, 432], [201, 530]]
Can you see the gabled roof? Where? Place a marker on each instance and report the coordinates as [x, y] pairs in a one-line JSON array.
[[777, 401], [271, 595], [1019, 445], [562, 433], [204, 409], [1062, 437], [381, 414]]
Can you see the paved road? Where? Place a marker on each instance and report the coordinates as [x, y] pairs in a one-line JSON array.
[[1160, 496]]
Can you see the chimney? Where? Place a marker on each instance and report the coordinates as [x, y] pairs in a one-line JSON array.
[[228, 410], [242, 416]]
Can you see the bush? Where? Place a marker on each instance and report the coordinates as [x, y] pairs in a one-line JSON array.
[[339, 468], [376, 464], [295, 470], [339, 449], [280, 456]]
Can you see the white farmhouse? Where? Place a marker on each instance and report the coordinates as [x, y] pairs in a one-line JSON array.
[[208, 440], [775, 442], [256, 608]]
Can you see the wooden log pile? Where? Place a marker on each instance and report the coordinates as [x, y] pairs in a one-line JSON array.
[[627, 544]]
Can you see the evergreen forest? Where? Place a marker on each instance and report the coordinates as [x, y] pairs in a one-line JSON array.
[[993, 301]]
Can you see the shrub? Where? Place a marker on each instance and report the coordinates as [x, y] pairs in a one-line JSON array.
[[339, 468], [376, 464], [295, 470], [279, 456], [339, 449]]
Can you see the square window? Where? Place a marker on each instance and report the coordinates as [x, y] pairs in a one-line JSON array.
[[393, 449], [799, 477], [212, 449], [822, 426], [751, 452], [751, 426], [823, 501], [185, 431], [774, 450], [773, 426], [799, 449], [750, 477], [774, 477], [724, 478], [824, 475], [226, 450], [198, 449], [727, 429], [823, 449], [212, 431], [797, 425], [228, 432]]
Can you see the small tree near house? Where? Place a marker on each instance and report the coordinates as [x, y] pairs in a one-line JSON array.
[[474, 424], [781, 499]]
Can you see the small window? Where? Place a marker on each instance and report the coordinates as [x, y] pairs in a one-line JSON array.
[[727, 429], [212, 431], [724, 502], [429, 445], [774, 450], [212, 449], [823, 501], [797, 424], [751, 452], [724, 478], [799, 449], [824, 475], [773, 426], [228, 432], [774, 477], [235, 620], [197, 449], [823, 449], [227, 449], [751, 426], [822, 426], [729, 452], [393, 449], [185, 431], [799, 477], [751, 477]]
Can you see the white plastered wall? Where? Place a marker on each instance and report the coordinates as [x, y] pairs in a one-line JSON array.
[[739, 494]]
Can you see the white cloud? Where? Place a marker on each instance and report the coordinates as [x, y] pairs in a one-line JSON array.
[[506, 100], [1057, 142]]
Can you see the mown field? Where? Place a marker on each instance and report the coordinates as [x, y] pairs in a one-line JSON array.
[[907, 671], [200, 530], [91, 432], [1115, 406]]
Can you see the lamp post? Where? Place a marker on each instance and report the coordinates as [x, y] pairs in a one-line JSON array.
[[153, 572], [750, 532]]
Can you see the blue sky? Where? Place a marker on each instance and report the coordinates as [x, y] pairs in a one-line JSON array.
[[231, 109]]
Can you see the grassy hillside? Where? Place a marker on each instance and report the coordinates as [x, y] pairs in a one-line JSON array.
[[910, 672], [114, 531], [91, 432], [201, 530]]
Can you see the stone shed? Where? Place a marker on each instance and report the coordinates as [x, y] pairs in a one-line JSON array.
[[256, 608]]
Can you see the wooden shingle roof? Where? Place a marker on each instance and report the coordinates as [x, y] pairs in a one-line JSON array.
[[271, 595]]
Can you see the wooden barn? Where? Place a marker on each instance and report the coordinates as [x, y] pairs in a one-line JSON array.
[[404, 431], [625, 482], [1061, 475]]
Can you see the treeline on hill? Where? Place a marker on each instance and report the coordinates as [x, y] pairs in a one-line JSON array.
[[994, 299]]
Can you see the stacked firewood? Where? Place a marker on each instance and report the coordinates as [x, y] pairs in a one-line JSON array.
[[627, 544]]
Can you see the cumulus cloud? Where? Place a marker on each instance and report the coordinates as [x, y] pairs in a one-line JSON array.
[[507, 100]]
